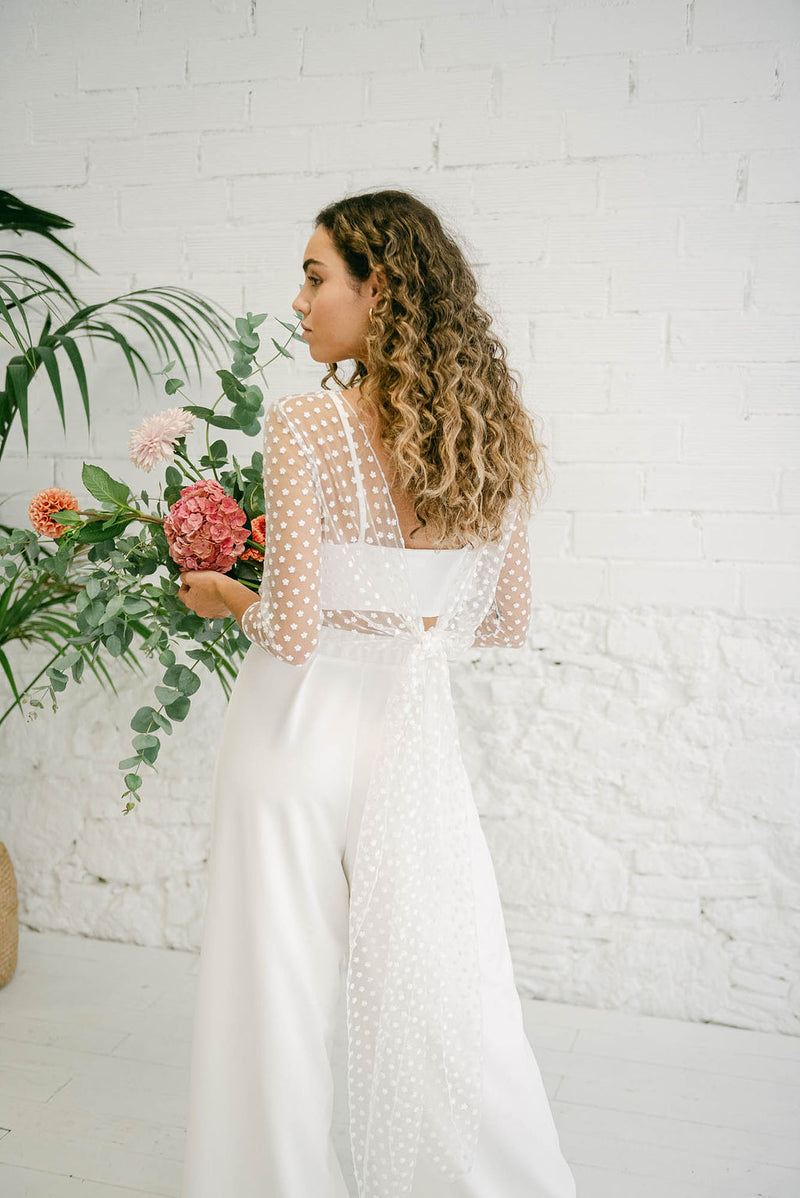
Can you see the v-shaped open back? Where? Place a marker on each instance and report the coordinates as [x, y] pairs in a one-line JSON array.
[[358, 433], [335, 554]]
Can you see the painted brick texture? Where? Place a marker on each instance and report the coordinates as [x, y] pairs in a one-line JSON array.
[[624, 177]]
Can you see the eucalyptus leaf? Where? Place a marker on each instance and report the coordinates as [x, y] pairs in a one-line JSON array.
[[115, 606], [58, 679], [163, 723], [150, 752], [134, 606], [230, 385], [144, 740], [179, 709], [222, 421], [143, 720]]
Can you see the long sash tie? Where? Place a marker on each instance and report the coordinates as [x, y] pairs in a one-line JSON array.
[[414, 1019]]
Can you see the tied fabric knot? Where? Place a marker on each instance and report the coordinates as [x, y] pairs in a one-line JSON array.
[[431, 643], [414, 1017]]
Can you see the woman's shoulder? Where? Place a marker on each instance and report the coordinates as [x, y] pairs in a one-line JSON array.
[[312, 420], [306, 407]]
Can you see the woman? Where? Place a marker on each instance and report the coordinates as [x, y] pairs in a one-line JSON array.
[[345, 839]]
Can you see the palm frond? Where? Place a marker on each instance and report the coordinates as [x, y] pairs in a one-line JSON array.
[[17, 216]]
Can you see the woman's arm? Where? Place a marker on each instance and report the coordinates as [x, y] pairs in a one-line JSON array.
[[284, 618], [287, 619], [507, 621]]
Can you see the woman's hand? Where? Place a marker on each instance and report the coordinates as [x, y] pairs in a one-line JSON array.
[[201, 591], [215, 596]]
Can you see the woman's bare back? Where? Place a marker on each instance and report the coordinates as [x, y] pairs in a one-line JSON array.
[[403, 502]]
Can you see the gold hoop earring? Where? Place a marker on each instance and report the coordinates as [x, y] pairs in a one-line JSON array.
[[370, 316]]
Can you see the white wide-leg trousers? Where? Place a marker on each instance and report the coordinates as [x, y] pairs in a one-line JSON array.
[[297, 748]]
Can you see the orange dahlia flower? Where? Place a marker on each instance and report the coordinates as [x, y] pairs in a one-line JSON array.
[[258, 533], [45, 504]]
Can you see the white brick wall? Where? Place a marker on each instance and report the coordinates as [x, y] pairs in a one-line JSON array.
[[625, 178]]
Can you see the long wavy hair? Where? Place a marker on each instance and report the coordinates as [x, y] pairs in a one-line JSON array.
[[452, 422]]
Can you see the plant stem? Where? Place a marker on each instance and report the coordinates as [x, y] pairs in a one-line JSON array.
[[257, 369], [181, 453], [18, 702], [151, 728]]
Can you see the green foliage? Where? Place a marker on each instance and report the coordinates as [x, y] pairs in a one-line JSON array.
[[107, 590], [123, 584], [171, 319]]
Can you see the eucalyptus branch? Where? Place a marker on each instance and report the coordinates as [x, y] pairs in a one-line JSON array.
[[154, 718]]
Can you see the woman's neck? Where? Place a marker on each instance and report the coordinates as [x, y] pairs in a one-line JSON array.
[[364, 402]]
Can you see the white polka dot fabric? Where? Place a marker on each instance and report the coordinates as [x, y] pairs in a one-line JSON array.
[[507, 621], [328, 509], [336, 568], [287, 619]]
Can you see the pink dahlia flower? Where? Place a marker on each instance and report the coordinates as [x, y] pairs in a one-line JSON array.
[[258, 533], [45, 504], [205, 528], [154, 441]]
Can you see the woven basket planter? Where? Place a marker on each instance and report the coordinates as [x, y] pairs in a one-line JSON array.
[[9, 927]]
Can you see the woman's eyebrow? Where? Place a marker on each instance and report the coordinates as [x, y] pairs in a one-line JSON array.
[[312, 262]]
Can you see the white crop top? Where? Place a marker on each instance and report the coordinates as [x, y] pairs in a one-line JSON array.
[[431, 572]]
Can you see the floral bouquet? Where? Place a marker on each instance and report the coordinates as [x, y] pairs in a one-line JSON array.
[[122, 559]]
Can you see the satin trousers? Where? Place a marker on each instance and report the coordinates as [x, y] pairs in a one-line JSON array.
[[298, 744]]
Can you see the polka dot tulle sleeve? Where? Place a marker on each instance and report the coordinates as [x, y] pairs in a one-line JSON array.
[[509, 617], [286, 619]]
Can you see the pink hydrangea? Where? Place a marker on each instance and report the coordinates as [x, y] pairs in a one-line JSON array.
[[205, 529], [154, 441]]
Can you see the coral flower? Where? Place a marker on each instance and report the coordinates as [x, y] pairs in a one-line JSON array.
[[154, 441], [45, 504], [258, 533], [205, 528]]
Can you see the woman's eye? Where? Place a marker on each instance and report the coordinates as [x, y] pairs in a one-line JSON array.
[[312, 279]]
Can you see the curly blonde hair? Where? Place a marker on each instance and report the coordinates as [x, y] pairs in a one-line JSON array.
[[449, 409]]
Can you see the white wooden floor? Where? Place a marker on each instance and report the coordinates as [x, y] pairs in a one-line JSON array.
[[94, 1052]]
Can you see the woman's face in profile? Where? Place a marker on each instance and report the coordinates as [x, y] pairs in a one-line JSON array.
[[336, 316]]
